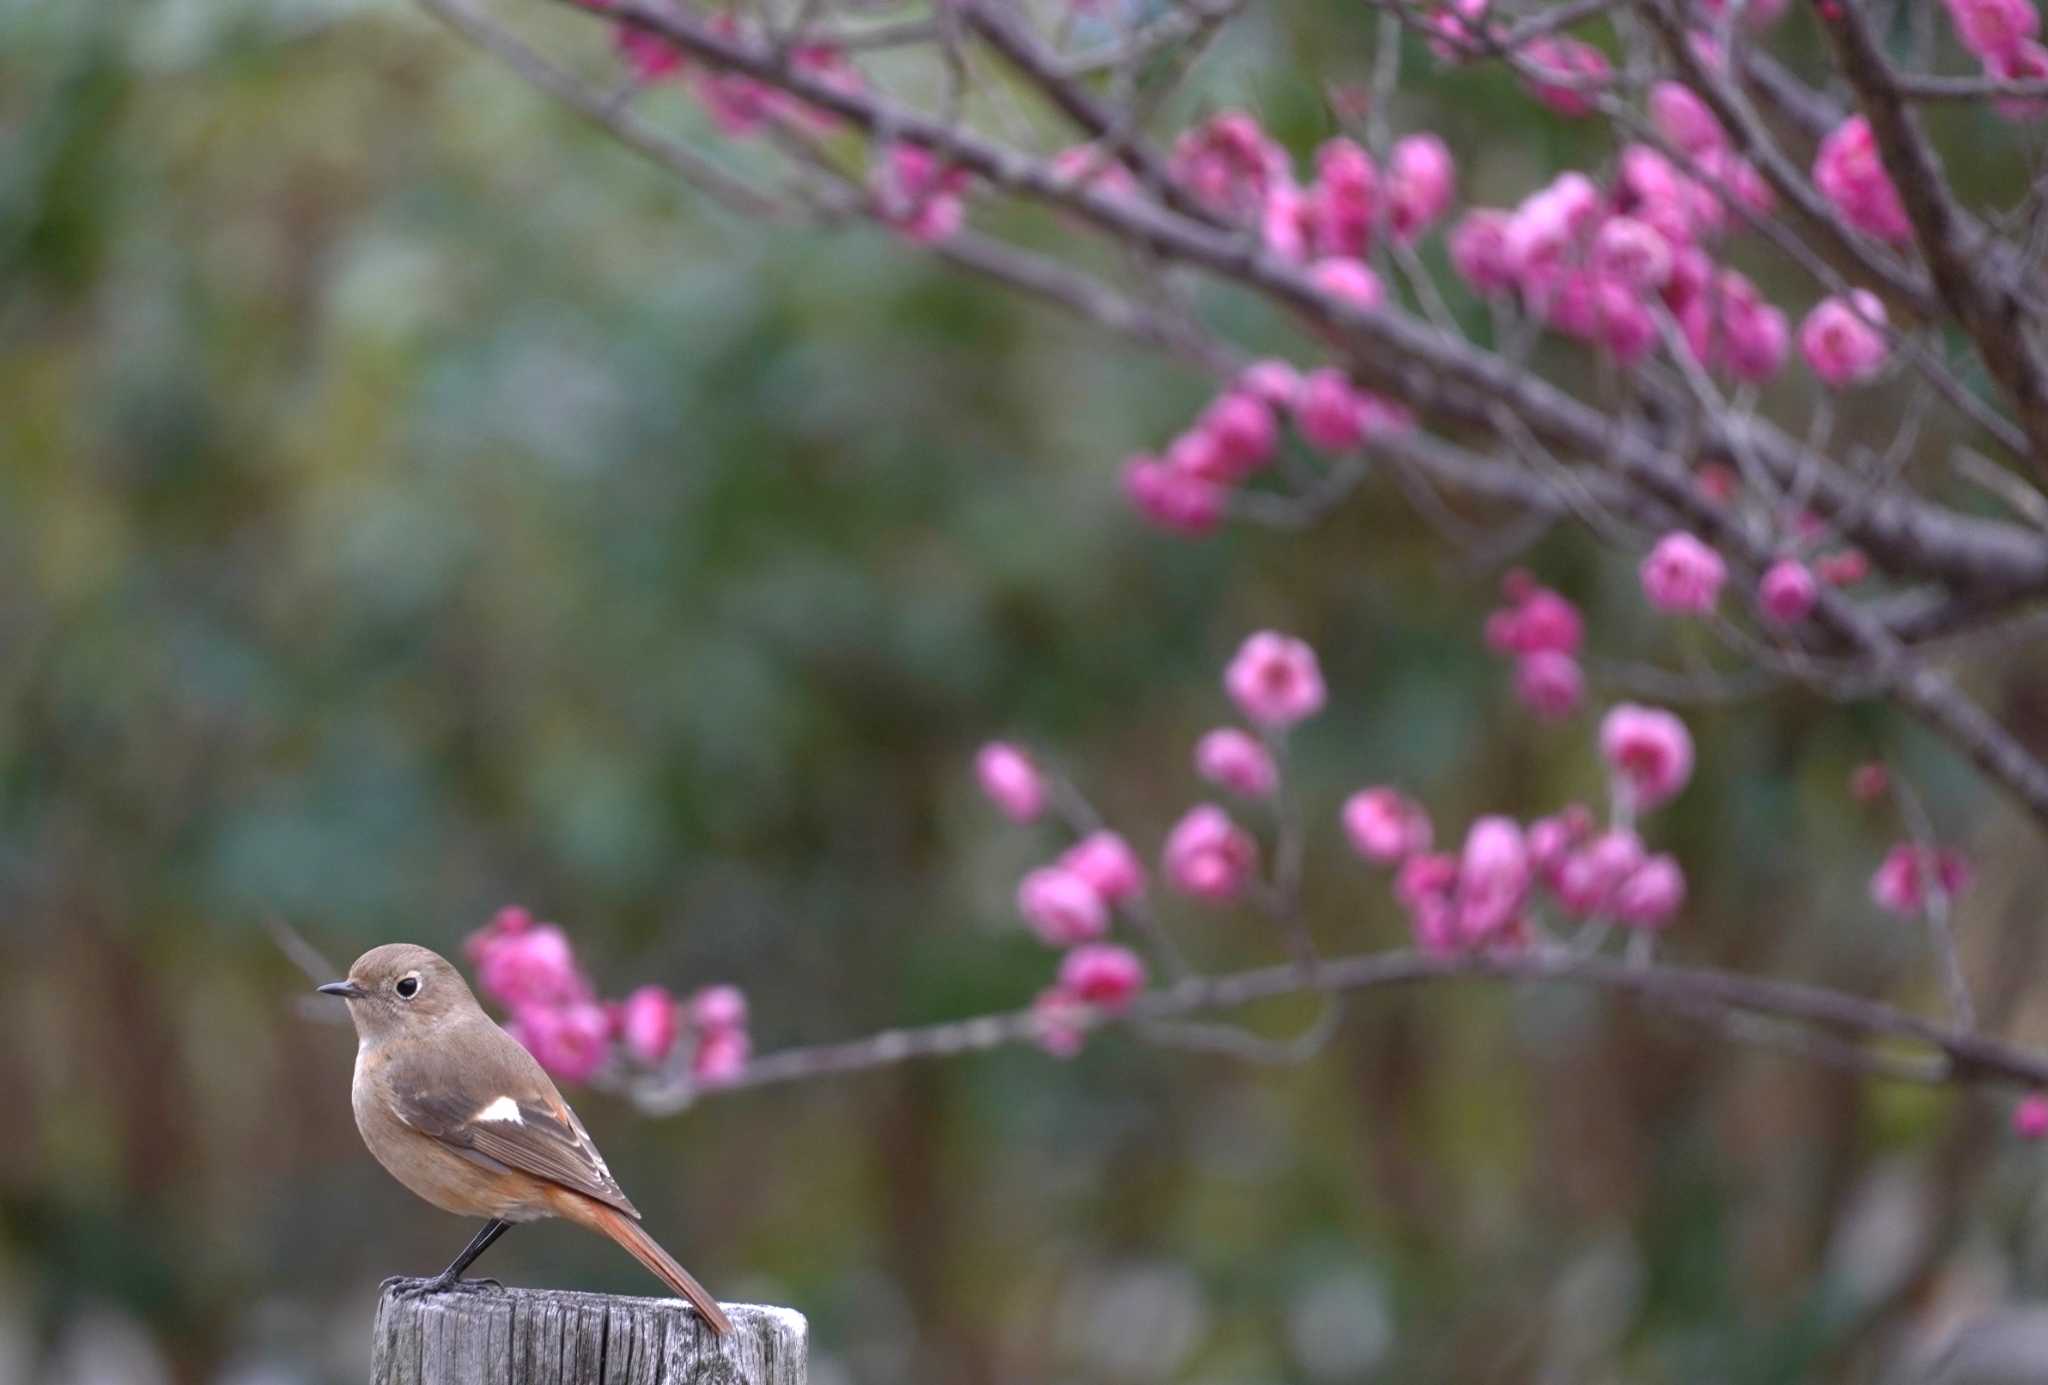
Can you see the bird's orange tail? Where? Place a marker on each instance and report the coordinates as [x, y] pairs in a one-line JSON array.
[[642, 1247]]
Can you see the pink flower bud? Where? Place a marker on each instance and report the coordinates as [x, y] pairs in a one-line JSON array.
[[1851, 175], [2027, 62], [1061, 907], [1010, 780], [1385, 826], [1842, 339], [1274, 680], [919, 194], [1632, 252], [2030, 1117], [1549, 684], [1552, 839], [648, 1024], [1420, 175], [1843, 569], [1788, 591], [1236, 761], [1346, 280], [1539, 620], [1172, 498], [1425, 876], [508, 920], [1456, 28], [1682, 576], [1059, 1022], [1903, 879], [648, 57], [1493, 878], [1685, 120], [1242, 429], [1869, 782], [1479, 251], [1652, 894], [1103, 975], [1992, 29], [571, 1041], [1569, 73], [1650, 750], [1328, 412], [721, 1056], [1275, 381], [1338, 212], [718, 1007], [1208, 856], [1588, 878], [1107, 863]]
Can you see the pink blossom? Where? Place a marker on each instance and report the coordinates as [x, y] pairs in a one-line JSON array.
[[1420, 176], [1106, 861], [1493, 879], [1852, 177], [1230, 166], [1650, 187], [1682, 576], [1842, 339], [1650, 750], [1424, 876], [1328, 412], [1549, 684], [648, 1024], [718, 1007], [1385, 826], [2027, 62], [1623, 327], [1277, 382], [1090, 167], [920, 195], [1685, 120], [1587, 879], [1208, 856], [649, 57], [1568, 73], [1843, 569], [571, 1041], [1240, 425], [721, 1056], [828, 65], [1731, 326], [1479, 251], [1059, 1022], [1010, 780], [1538, 620], [1788, 591], [1061, 906], [1552, 839], [2030, 1117], [1455, 27], [1103, 975], [507, 921], [1338, 210], [1347, 281], [534, 966], [1992, 29], [1901, 880], [1236, 761], [1173, 498], [1651, 894], [1632, 252], [1275, 680], [738, 105]]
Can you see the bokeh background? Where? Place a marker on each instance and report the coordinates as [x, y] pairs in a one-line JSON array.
[[411, 504]]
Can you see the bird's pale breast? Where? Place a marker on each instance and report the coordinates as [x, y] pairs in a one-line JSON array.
[[434, 1171]]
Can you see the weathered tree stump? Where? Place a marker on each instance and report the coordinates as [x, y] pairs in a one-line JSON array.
[[552, 1337]]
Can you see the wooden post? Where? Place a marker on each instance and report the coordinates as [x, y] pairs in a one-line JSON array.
[[553, 1337]]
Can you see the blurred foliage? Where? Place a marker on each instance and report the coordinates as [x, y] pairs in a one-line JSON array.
[[409, 503]]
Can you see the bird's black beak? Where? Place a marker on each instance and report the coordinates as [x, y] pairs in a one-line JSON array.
[[347, 990]]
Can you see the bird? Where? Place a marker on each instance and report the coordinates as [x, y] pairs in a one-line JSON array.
[[460, 1113]]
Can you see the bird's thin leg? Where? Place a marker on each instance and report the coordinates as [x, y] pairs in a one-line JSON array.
[[452, 1276]]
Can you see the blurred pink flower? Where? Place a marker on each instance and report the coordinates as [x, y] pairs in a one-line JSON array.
[[1236, 760], [721, 1055], [1385, 826], [648, 1024], [648, 57], [1347, 281], [571, 1041], [1901, 880], [1682, 576], [1549, 684], [1852, 177], [1172, 498], [1587, 879], [1479, 251], [1788, 591], [1843, 339], [1275, 680], [1650, 750], [1106, 861], [1208, 856], [534, 966], [1059, 1022], [1992, 29], [1493, 879], [718, 1007], [1241, 428], [2030, 1117], [1061, 906], [1336, 212], [1010, 780], [1420, 177], [920, 195], [1277, 382], [1103, 975], [1569, 73], [1230, 166], [1651, 894], [1328, 412], [1685, 120]]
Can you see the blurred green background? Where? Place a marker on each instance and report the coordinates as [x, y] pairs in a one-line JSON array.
[[411, 504]]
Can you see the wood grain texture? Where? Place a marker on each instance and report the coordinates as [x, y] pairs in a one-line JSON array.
[[553, 1337]]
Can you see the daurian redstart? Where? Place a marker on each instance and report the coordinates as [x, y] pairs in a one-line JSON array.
[[459, 1112]]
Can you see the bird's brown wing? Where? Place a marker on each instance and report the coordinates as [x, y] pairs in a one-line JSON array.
[[495, 1104]]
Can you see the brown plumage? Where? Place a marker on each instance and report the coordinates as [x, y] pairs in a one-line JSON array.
[[459, 1112]]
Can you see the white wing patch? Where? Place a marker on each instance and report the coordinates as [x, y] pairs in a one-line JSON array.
[[503, 1109]]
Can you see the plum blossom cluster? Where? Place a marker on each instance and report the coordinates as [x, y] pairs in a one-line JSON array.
[[1493, 892], [530, 968], [1542, 631]]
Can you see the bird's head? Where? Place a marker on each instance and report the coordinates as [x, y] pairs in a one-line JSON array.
[[401, 988]]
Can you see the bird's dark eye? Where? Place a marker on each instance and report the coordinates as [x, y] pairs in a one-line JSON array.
[[408, 986]]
